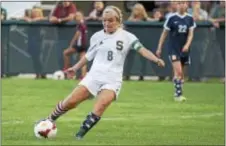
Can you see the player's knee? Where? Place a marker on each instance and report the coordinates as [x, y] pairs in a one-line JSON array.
[[70, 104], [179, 74], [66, 52]]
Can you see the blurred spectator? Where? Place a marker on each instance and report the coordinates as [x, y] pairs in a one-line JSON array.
[[196, 11], [96, 13], [201, 47], [27, 14], [218, 14], [36, 15], [139, 13], [218, 20], [78, 43], [171, 9], [158, 15], [63, 12], [207, 5], [3, 14], [35, 42]]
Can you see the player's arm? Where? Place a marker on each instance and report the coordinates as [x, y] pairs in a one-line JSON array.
[[150, 56], [161, 42], [91, 53], [88, 57], [79, 64], [167, 28], [190, 37], [217, 20], [53, 15], [136, 45], [75, 37], [70, 17]]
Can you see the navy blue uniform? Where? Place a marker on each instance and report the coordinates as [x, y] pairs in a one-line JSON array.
[[178, 27]]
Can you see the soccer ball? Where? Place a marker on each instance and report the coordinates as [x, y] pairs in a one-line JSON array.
[[58, 75], [45, 129]]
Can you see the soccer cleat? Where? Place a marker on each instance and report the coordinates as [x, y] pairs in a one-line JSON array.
[[80, 134], [180, 99]]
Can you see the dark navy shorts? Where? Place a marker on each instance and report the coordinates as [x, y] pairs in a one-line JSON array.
[[79, 49], [184, 59]]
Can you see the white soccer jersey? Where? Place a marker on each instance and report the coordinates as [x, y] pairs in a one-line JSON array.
[[109, 52]]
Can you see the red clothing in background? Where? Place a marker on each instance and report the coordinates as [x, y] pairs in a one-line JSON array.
[[60, 11]]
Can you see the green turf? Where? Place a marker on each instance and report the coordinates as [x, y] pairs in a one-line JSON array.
[[144, 114]]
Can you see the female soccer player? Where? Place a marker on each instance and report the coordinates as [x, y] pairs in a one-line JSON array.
[[108, 50], [78, 43], [180, 27]]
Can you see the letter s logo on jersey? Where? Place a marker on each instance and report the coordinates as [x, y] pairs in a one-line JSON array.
[[119, 45]]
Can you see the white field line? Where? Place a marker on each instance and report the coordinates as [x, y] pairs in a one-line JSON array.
[[144, 117]]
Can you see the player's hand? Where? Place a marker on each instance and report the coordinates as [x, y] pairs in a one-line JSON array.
[[158, 52], [70, 72], [160, 63], [185, 49], [59, 20], [53, 20]]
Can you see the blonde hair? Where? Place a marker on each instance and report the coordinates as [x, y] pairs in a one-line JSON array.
[[141, 10], [117, 12], [39, 12]]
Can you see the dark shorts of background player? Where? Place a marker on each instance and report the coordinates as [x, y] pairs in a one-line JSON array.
[[79, 49], [183, 58]]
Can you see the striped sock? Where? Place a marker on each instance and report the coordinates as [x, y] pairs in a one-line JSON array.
[[178, 87], [59, 111]]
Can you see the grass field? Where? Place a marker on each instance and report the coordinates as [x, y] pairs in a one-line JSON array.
[[144, 114]]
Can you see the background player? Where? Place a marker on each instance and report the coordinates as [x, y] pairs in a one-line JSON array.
[[108, 50], [78, 43], [180, 27]]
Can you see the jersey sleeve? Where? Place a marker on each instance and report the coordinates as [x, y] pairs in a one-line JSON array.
[[134, 43], [192, 24], [91, 53], [167, 24]]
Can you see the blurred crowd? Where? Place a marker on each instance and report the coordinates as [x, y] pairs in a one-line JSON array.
[[65, 11]]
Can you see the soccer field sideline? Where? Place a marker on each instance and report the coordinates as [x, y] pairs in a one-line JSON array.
[[50, 76]]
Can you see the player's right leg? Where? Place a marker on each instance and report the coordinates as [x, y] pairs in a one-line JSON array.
[[66, 55], [77, 96], [178, 76]]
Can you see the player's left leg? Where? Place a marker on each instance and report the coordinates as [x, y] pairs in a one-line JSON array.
[[177, 69], [183, 73], [185, 62], [66, 55], [105, 98], [179, 73]]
